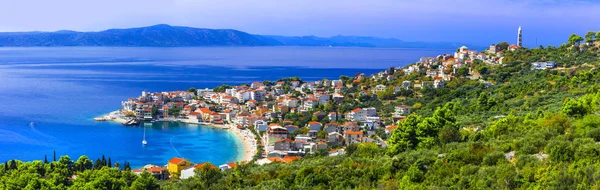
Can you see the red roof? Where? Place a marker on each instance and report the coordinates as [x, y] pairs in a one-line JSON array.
[[289, 159], [314, 122], [390, 127], [356, 110], [286, 140], [176, 160], [232, 165], [354, 132], [275, 159], [204, 110], [202, 164], [156, 169]]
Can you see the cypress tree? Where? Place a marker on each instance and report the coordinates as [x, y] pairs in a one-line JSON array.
[[6, 166], [98, 164], [109, 163], [103, 160], [45, 159], [13, 165], [54, 156]]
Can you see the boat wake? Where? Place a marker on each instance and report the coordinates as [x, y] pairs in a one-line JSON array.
[[171, 141]]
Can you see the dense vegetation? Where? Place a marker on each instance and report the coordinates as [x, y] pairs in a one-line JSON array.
[[534, 129]]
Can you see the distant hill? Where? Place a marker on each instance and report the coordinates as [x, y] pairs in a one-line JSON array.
[[178, 36]]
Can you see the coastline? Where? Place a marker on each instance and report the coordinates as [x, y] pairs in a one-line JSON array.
[[245, 138]]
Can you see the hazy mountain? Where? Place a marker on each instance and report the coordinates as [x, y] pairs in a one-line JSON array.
[[178, 36]]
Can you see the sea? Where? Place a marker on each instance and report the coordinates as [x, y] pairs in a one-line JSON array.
[[50, 95]]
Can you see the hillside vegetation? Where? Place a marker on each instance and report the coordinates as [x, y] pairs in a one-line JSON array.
[[534, 129]]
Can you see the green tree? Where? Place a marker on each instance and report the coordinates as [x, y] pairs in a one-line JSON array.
[[575, 39], [589, 37], [404, 137], [144, 182], [574, 107], [502, 46]]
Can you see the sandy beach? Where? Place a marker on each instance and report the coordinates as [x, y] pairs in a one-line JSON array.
[[245, 136]]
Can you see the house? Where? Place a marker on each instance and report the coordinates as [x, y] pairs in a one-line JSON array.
[[275, 132], [356, 115], [338, 98], [321, 146], [335, 138], [332, 127], [332, 116], [353, 137], [204, 113], [295, 83], [438, 83], [283, 144], [401, 110], [379, 88], [406, 84], [261, 125], [227, 166], [314, 125], [160, 173], [291, 128], [543, 65], [513, 47], [388, 129], [176, 165], [320, 115], [191, 171]]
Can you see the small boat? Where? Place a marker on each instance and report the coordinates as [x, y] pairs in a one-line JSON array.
[[31, 124], [144, 142]]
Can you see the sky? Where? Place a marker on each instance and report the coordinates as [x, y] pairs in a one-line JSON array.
[[479, 22]]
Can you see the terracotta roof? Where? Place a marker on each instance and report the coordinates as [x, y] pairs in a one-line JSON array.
[[176, 160], [202, 164], [356, 110], [156, 169], [314, 122], [354, 132], [390, 127], [204, 110], [289, 159], [232, 165], [286, 140], [275, 159]]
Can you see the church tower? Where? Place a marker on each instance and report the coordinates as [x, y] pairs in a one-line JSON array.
[[520, 38]]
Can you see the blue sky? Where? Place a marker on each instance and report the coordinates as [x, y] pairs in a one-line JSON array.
[[468, 21]]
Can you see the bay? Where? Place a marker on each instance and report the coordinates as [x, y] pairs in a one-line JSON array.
[[61, 90]]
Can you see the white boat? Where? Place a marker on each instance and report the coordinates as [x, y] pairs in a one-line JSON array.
[[31, 124], [144, 142]]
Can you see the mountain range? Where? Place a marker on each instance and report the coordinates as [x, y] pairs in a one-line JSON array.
[[163, 35]]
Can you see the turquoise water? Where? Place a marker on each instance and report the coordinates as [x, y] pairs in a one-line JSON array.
[[63, 89]]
